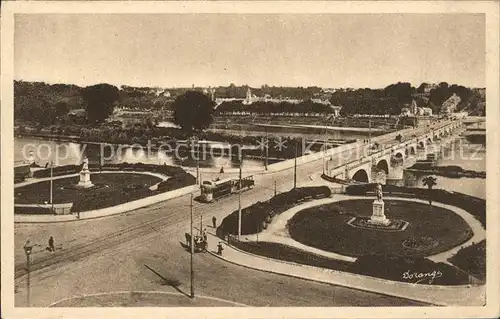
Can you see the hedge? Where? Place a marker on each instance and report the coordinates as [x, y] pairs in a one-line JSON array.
[[57, 171], [385, 267], [257, 216], [473, 205], [472, 259], [178, 180], [32, 210]]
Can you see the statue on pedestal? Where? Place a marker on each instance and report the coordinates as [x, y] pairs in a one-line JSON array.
[[85, 164], [378, 216], [378, 192], [85, 175]]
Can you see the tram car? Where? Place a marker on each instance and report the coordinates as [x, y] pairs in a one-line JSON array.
[[212, 190]]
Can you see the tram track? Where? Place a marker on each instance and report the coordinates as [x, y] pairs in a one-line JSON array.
[[176, 216]]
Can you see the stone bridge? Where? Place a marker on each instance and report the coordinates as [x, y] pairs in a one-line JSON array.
[[390, 158]]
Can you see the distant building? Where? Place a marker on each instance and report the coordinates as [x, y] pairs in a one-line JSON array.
[[320, 101], [405, 111]]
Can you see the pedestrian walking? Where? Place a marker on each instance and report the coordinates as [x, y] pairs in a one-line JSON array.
[[219, 249], [222, 170], [51, 244], [205, 235], [214, 222]]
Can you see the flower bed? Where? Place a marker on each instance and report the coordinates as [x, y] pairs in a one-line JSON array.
[[257, 216], [324, 228]]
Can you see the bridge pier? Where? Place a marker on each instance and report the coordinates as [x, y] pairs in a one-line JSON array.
[[397, 168]]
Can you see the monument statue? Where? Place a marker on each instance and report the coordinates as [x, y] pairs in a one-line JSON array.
[[378, 192], [378, 216], [85, 175], [85, 164]]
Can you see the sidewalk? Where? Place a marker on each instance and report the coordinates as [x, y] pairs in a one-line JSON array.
[[435, 295]]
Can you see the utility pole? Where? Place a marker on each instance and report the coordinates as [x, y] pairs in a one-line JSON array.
[[239, 201], [275, 190], [295, 168], [51, 184], [198, 179], [192, 248], [201, 224]]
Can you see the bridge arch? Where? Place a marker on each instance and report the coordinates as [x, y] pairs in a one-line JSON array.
[[361, 176], [383, 166], [399, 154]]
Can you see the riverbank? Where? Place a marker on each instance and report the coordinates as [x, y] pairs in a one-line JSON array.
[[450, 171]]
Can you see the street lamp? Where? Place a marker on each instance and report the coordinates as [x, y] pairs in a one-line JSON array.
[[27, 250]]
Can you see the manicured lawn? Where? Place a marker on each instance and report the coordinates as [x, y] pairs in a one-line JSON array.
[[325, 228], [38, 193]]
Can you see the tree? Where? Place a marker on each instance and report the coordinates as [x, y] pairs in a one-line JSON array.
[[429, 181], [193, 111], [99, 101]]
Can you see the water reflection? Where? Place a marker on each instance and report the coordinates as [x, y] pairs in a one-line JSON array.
[[64, 153]]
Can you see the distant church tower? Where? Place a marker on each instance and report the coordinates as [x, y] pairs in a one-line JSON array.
[[414, 107], [248, 99], [211, 91]]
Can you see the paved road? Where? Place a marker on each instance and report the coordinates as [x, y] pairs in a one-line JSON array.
[[112, 253]]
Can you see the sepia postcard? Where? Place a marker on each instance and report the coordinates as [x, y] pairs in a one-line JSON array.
[[250, 159]]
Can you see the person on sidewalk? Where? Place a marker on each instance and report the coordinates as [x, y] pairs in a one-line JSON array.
[[219, 249], [214, 222], [51, 244], [205, 234]]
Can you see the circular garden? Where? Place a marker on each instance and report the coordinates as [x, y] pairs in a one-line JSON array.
[[63, 191], [431, 229]]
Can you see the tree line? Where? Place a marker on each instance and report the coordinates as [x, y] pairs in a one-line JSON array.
[[46, 104]]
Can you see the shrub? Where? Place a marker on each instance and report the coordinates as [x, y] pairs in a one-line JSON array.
[[177, 181], [472, 259], [256, 216], [57, 171], [32, 210]]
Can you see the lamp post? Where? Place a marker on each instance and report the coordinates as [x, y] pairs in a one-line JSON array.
[[239, 199], [27, 250], [51, 185]]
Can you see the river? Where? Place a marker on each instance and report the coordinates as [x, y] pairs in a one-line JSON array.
[[463, 154], [66, 153]]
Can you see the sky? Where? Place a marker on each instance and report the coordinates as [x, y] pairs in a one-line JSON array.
[[179, 50]]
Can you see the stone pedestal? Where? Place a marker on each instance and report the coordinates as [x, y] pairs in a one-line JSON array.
[[378, 216], [85, 179]]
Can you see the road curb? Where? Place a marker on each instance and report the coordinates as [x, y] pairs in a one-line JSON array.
[[326, 282]]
